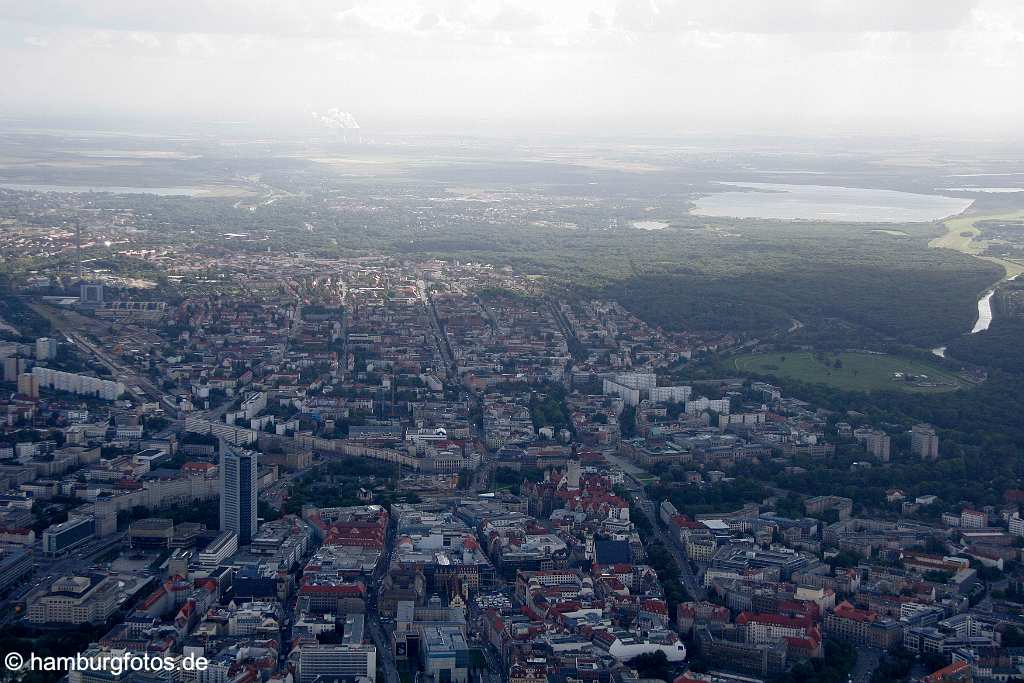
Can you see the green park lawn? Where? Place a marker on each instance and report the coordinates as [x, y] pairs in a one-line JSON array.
[[854, 371]]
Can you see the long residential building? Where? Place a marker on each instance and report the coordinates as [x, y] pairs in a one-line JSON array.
[[14, 565], [75, 383]]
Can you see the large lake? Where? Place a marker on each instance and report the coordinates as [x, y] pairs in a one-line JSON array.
[[827, 203], [82, 189]]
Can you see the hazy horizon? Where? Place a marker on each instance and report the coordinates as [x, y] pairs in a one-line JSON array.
[[651, 67]]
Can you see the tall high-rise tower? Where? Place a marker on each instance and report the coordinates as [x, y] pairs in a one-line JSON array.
[[238, 492], [924, 442]]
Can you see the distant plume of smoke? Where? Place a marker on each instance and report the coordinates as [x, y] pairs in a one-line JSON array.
[[337, 119]]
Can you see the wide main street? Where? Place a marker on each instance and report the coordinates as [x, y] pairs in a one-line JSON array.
[[650, 510]]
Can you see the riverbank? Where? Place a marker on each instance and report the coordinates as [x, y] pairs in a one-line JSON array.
[[961, 234]]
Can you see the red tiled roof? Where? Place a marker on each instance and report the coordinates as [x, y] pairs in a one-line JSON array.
[[1014, 496], [774, 620], [946, 673], [154, 597], [332, 589], [847, 611], [655, 607]]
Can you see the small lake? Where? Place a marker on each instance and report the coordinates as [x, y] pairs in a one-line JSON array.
[[82, 189], [986, 190], [650, 225], [781, 201]]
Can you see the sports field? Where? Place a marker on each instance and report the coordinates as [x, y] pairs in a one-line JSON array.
[[852, 370]]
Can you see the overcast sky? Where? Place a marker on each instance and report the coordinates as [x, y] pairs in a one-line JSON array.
[[656, 66]]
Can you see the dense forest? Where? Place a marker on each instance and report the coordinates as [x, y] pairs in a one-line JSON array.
[[1000, 346], [981, 443], [573, 227], [759, 279]]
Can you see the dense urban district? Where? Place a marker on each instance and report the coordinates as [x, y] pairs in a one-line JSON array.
[[397, 467]]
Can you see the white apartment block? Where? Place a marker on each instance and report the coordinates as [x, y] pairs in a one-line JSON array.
[[680, 394], [74, 383], [699, 405], [629, 395], [637, 380], [347, 661], [973, 519], [924, 442], [1017, 525]]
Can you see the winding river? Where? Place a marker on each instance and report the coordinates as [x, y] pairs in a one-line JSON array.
[[982, 323], [984, 312]]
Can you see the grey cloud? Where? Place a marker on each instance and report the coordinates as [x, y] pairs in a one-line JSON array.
[[635, 63], [310, 18], [511, 18], [793, 16], [427, 22]]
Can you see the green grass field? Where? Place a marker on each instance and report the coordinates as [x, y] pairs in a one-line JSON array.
[[961, 233], [855, 371]]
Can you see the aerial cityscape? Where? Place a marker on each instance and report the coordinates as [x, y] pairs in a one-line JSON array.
[[321, 394]]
